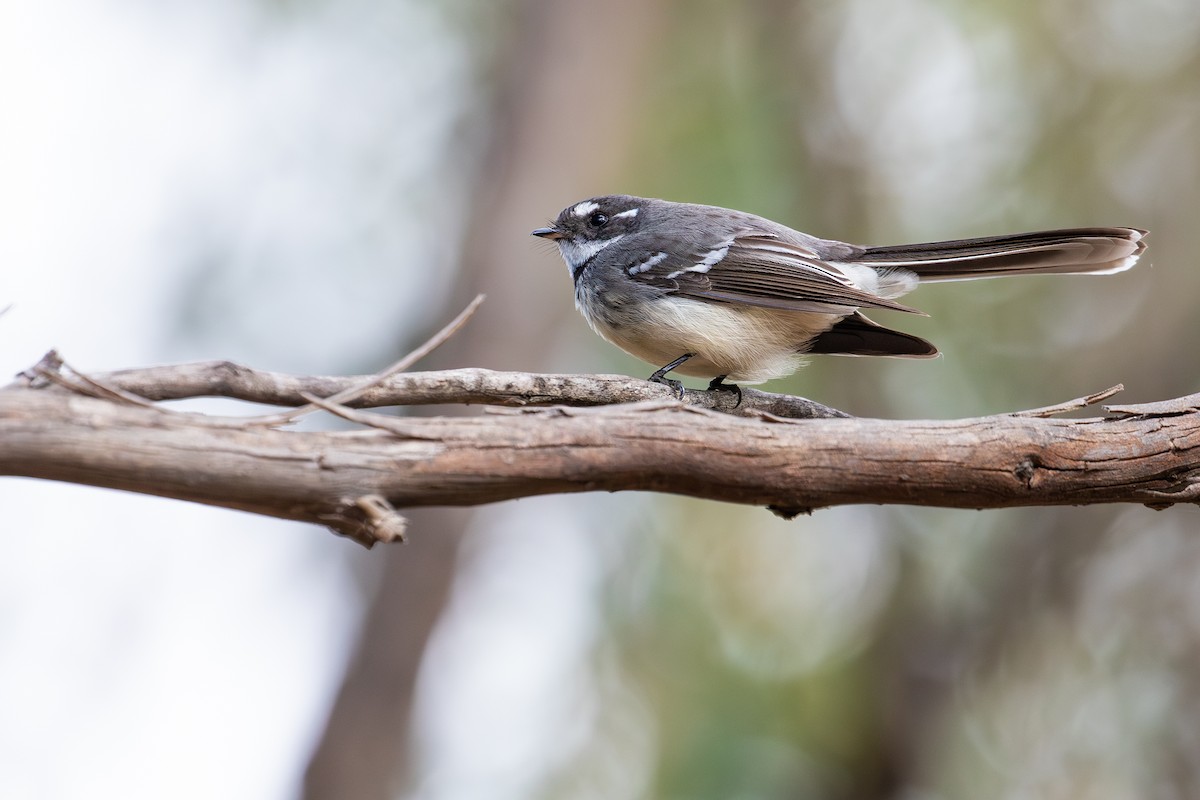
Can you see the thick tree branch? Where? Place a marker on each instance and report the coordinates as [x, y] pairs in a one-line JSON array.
[[354, 481]]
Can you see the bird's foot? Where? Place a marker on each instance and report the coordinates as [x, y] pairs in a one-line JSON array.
[[718, 384], [660, 374]]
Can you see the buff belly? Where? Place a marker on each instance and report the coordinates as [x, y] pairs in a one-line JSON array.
[[746, 343]]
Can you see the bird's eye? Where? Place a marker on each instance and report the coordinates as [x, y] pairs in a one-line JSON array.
[[598, 219]]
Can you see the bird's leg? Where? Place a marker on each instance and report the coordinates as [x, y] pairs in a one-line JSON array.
[[718, 384], [660, 374]]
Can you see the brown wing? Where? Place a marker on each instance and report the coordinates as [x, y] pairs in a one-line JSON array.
[[758, 269]]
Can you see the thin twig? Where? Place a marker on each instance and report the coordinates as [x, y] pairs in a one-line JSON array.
[[83, 383], [1162, 408], [402, 427], [1070, 405], [53, 369], [51, 362], [351, 393]]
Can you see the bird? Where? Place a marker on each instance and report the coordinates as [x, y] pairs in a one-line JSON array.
[[712, 292]]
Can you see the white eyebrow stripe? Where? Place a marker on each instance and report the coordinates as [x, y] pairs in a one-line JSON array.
[[584, 208], [649, 264], [630, 213]]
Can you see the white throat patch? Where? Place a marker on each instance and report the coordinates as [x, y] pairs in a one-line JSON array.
[[576, 254]]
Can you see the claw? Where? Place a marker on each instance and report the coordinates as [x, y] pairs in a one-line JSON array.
[[660, 374], [676, 386], [718, 384]]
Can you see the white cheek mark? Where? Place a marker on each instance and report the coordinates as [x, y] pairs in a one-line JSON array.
[[712, 258], [584, 208], [576, 254], [647, 265], [630, 213]]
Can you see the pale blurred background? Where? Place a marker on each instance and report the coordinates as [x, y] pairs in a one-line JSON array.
[[316, 186]]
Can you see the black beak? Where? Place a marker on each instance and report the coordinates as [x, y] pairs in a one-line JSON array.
[[547, 233]]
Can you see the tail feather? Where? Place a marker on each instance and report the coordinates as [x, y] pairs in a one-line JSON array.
[[856, 335], [1075, 251]]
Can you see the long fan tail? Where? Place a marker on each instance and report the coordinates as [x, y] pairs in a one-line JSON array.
[[1075, 251]]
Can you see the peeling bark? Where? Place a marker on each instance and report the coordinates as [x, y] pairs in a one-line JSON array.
[[353, 482]]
